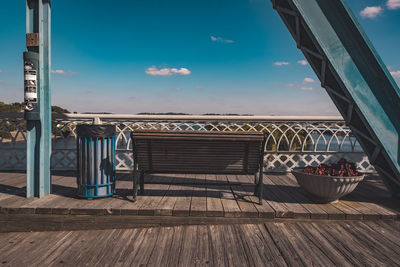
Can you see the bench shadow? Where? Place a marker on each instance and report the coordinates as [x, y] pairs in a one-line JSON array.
[[371, 190]]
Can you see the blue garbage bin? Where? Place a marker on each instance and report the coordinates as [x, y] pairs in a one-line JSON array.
[[96, 160]]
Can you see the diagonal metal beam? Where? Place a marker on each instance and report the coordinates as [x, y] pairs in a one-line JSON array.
[[353, 75]]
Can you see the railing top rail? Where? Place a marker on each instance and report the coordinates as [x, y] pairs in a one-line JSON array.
[[180, 117]]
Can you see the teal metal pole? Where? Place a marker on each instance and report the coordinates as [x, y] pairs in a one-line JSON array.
[[38, 115]]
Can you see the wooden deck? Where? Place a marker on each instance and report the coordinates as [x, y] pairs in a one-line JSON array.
[[347, 243], [183, 199]]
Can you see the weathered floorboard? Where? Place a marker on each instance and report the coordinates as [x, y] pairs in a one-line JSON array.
[[203, 197], [273, 243]]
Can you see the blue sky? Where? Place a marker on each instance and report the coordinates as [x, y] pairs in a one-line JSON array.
[[199, 56]]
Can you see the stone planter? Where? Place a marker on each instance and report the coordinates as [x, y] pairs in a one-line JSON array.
[[326, 189]]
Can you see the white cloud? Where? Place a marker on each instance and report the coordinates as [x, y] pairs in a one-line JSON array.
[[371, 12], [393, 4], [308, 80], [154, 71], [281, 63], [301, 87], [62, 72], [395, 74], [221, 40], [303, 62]]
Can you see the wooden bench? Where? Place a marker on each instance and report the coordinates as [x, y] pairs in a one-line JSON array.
[[195, 152]]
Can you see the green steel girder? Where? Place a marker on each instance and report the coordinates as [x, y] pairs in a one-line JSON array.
[[353, 75]]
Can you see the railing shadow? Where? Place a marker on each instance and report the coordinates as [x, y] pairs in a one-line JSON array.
[[12, 190], [371, 190]]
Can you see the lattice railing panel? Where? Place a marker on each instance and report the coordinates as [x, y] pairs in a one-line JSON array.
[[289, 144]]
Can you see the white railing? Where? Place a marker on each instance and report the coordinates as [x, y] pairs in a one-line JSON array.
[[292, 141]]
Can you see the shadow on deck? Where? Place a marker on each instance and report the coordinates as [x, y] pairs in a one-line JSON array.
[[184, 199]]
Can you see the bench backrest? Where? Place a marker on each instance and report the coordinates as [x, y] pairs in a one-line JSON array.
[[198, 151]]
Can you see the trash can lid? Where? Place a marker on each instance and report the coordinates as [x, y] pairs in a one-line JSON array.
[[93, 130]]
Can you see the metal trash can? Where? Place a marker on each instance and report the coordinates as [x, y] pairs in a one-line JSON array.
[[96, 160]]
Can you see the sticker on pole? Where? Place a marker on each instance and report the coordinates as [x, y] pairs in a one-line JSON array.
[[30, 83]]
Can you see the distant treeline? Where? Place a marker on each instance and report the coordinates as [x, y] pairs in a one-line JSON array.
[[180, 113], [19, 107]]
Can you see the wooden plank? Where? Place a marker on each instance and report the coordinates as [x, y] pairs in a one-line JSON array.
[[360, 252], [12, 184], [306, 248], [177, 243], [132, 208], [144, 251], [120, 247], [188, 256], [351, 214], [154, 194], [114, 204], [270, 248], [316, 212], [214, 204], [104, 244], [361, 199], [131, 248], [374, 240], [106, 251], [264, 210], [183, 202], [18, 243], [64, 188], [280, 209], [385, 235], [36, 245], [203, 251], [231, 208], [198, 206], [299, 212], [167, 203], [257, 250], [219, 257], [389, 227], [10, 240], [336, 256], [332, 212], [13, 205], [12, 181], [159, 255], [233, 246], [38, 204], [86, 206], [367, 214], [336, 242], [243, 199], [285, 245]]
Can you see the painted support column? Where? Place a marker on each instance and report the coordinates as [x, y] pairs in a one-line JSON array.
[[38, 115]]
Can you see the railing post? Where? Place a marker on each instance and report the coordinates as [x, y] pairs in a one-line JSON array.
[[97, 120], [38, 109]]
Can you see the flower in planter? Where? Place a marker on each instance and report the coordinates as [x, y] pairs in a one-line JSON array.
[[342, 168]]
